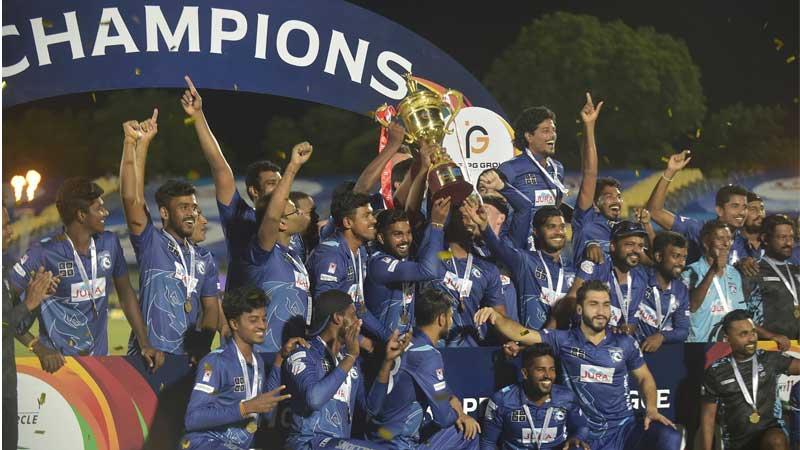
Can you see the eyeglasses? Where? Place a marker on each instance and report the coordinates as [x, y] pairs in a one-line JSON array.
[[296, 211]]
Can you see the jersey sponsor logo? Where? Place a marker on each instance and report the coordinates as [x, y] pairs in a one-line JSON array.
[[549, 434], [343, 393], [597, 374], [298, 367], [577, 352], [332, 268], [66, 269], [81, 292], [301, 281], [529, 178], [202, 387], [18, 268], [392, 266], [539, 274], [647, 315], [440, 374], [518, 415], [588, 267], [732, 288], [326, 277], [185, 278], [615, 353], [439, 386], [386, 259], [544, 197], [718, 308], [238, 384]]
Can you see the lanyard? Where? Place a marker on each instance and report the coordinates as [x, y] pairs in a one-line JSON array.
[[546, 422], [467, 271], [660, 318], [792, 288], [302, 269], [739, 380], [359, 274], [250, 390], [725, 305], [550, 279], [187, 271], [553, 180], [624, 302], [87, 282]]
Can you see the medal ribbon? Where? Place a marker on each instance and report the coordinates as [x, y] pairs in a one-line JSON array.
[[88, 282], [546, 422], [187, 271], [791, 288], [250, 391], [467, 272], [660, 318], [624, 302], [740, 381], [553, 180], [550, 279]]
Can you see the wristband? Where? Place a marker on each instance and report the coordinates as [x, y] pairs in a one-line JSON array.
[[668, 180], [32, 343], [437, 225]]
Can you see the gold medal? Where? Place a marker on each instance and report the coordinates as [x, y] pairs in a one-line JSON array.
[[362, 308], [797, 312], [187, 306], [251, 427], [404, 318], [755, 418]]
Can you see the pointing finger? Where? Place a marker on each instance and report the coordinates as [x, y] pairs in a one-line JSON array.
[[154, 118], [589, 98], [191, 85]]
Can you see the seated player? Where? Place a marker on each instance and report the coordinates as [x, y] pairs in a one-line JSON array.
[[233, 389], [739, 391], [535, 413], [596, 365], [325, 381], [420, 385]]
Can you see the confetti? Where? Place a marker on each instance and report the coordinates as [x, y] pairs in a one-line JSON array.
[[577, 121], [135, 19], [616, 108], [765, 25], [138, 71], [41, 399], [728, 124], [106, 23], [174, 48], [235, 87], [188, 121], [669, 112], [790, 59], [606, 160], [524, 332], [636, 172], [697, 134], [795, 99], [94, 98], [281, 154], [118, 348], [47, 23], [4, 84], [579, 133], [385, 433], [38, 432], [778, 43], [723, 146], [665, 159]]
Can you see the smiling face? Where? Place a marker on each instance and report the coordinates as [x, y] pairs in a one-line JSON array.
[[742, 337], [95, 216], [755, 216], [543, 139], [627, 251], [362, 223], [539, 375], [397, 238], [609, 202], [250, 326], [181, 215], [200, 228], [719, 241], [671, 261], [595, 310], [552, 234], [734, 211]]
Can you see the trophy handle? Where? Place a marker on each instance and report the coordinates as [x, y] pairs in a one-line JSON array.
[[384, 115], [454, 110]]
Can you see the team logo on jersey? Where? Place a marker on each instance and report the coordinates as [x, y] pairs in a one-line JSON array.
[[732, 288], [518, 415], [105, 260], [201, 267], [476, 273], [577, 352], [560, 414], [332, 268], [530, 178], [597, 374], [66, 269], [539, 273], [238, 384], [588, 267], [440, 374], [615, 353]]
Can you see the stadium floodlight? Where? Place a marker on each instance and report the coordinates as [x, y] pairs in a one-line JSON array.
[[33, 178], [18, 182]]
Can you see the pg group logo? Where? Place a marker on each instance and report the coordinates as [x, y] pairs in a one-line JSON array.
[[479, 139]]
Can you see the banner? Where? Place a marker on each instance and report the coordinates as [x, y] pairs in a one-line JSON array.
[[323, 51], [480, 140]]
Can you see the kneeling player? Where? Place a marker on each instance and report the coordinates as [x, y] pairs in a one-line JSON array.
[[534, 413], [226, 405]]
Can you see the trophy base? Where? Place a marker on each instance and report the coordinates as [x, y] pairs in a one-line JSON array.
[[446, 180]]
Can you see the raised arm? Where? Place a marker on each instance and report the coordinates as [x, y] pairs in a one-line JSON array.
[[589, 169], [270, 226], [655, 204], [372, 173], [131, 187], [507, 327], [224, 181], [419, 184], [697, 294]]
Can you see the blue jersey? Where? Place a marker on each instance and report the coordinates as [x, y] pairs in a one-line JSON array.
[[239, 225], [391, 282], [298, 246], [605, 272], [333, 266], [589, 226], [469, 291], [537, 292], [690, 228], [506, 425], [324, 397], [598, 375], [213, 419], [714, 306], [541, 187], [673, 323], [418, 384], [519, 229], [74, 320], [741, 249], [162, 288], [795, 258], [280, 273]]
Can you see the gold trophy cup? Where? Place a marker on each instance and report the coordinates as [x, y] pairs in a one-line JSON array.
[[422, 112]]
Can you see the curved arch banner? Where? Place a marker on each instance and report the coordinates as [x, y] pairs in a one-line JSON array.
[[323, 51]]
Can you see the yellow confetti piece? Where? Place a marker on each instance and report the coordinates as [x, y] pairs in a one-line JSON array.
[[445, 255], [790, 59], [94, 98], [669, 112], [4, 84], [281, 154], [41, 399], [723, 146], [524, 332], [665, 159], [138, 71], [616, 108], [697, 134], [188, 121], [118, 348], [47, 23], [385, 434], [778, 43], [636, 172], [728, 124], [795, 99]]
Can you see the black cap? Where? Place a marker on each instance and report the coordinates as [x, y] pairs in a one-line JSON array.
[[324, 306], [627, 228]]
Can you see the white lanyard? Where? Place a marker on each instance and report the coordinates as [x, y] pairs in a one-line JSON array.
[[546, 422], [725, 305], [358, 274], [250, 391], [87, 282], [553, 180], [302, 269], [624, 302], [791, 288], [550, 279], [187, 270], [467, 271], [660, 317], [750, 400]]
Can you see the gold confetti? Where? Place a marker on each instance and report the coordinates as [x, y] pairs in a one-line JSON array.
[[579, 133], [669, 112], [790, 59], [235, 87], [577, 121], [444, 255], [697, 134], [723, 146], [385, 434], [94, 98], [138, 71], [188, 121], [524, 332], [616, 108], [795, 99], [728, 124], [118, 348], [665, 159], [606, 160], [4, 84], [636, 172], [47, 23], [778, 43], [281, 154]]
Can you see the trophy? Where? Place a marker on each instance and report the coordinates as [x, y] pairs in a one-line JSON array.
[[422, 113]]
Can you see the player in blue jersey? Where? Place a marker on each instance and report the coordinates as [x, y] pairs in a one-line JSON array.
[[237, 216], [419, 385], [597, 365], [663, 313], [541, 276], [271, 265], [535, 413], [392, 279], [233, 390], [306, 241], [340, 261], [176, 277], [627, 285], [470, 281], [87, 259], [535, 173], [326, 382]]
